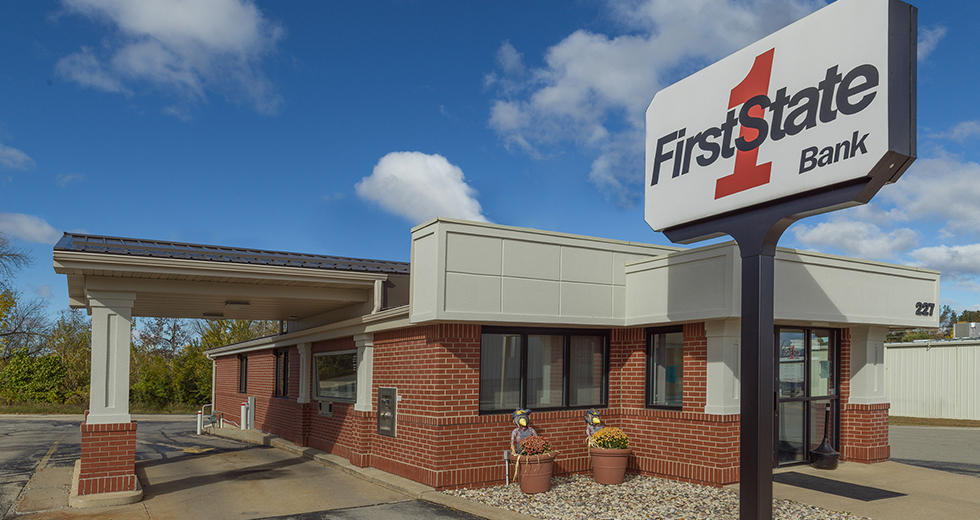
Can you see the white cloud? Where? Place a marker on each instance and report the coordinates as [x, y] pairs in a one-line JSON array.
[[929, 40], [942, 187], [28, 228], [64, 180], [43, 291], [86, 70], [509, 60], [420, 187], [968, 285], [960, 132], [182, 47], [953, 261], [857, 238], [13, 158], [593, 89]]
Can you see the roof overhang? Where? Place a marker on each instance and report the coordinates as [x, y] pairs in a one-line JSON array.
[[189, 288]]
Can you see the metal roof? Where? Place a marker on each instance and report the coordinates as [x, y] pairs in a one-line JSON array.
[[236, 255]]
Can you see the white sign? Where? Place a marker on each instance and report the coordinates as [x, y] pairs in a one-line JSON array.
[[826, 101]]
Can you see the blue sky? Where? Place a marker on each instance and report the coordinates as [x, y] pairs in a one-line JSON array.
[[334, 127]]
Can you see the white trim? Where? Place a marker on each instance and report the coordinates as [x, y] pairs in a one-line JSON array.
[[305, 367]]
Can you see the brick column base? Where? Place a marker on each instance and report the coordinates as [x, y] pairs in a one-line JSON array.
[[864, 433], [108, 458]]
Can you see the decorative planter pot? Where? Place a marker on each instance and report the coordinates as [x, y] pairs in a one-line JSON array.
[[609, 466], [533, 472]]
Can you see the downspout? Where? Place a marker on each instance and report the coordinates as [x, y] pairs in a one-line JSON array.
[[378, 296], [213, 372]]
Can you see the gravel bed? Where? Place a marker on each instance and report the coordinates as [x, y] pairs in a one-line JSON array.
[[579, 497]]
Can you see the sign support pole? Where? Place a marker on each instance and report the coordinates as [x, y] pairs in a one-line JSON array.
[[757, 382]]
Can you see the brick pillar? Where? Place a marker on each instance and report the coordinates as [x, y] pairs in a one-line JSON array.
[[108, 458], [864, 433], [864, 408]]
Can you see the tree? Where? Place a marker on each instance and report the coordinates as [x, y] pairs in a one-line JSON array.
[[947, 317], [218, 333], [71, 340], [165, 336], [26, 378], [968, 317], [23, 323], [150, 378], [192, 375], [12, 258]]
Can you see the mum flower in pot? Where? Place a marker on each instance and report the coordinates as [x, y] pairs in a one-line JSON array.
[[532, 455], [609, 449]]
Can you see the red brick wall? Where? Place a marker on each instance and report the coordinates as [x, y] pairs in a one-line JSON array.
[[108, 458], [281, 416], [227, 399], [443, 441], [684, 444]]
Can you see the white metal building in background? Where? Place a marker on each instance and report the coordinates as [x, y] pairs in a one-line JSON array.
[[934, 378]]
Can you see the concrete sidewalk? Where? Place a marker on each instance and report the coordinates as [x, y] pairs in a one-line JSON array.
[[272, 477], [268, 477], [883, 491]]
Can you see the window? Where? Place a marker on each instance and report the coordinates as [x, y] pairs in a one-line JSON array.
[[542, 369], [242, 374], [282, 373], [665, 367], [337, 375]]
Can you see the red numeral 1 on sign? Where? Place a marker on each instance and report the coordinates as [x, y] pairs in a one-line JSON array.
[[747, 173]]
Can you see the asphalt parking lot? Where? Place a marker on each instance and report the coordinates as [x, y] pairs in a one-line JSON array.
[[185, 475]]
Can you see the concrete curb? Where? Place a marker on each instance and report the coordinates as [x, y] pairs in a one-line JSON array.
[[117, 498], [373, 475]]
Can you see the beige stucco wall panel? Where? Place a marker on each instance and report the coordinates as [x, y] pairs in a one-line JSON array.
[[692, 285], [470, 293], [526, 259], [523, 296], [586, 265], [473, 254], [586, 300], [496, 274], [824, 288], [541, 277], [425, 283]]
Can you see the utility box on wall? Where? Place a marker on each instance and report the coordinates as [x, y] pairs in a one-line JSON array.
[[387, 398]]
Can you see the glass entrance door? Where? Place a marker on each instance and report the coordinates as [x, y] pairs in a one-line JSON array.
[[807, 382]]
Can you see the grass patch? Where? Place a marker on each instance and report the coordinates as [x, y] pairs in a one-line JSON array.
[[169, 409], [71, 409], [42, 408], [922, 421]]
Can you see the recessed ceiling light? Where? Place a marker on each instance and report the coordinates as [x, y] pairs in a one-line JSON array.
[[213, 315], [236, 305]]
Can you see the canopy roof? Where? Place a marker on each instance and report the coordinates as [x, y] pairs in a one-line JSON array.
[[181, 280]]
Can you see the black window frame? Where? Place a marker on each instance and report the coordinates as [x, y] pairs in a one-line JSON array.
[[242, 373], [651, 366], [566, 334], [281, 388]]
